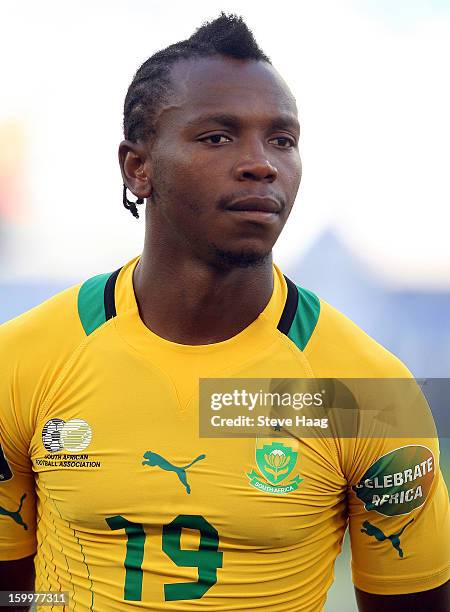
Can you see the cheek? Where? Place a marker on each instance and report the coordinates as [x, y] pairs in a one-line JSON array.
[[185, 184], [292, 176], [178, 194], [295, 172], [179, 171], [300, 168]]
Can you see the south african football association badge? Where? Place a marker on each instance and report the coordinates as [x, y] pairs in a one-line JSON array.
[[276, 462]]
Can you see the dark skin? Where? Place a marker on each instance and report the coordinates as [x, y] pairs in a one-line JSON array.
[[434, 600], [229, 131], [17, 575], [188, 227]]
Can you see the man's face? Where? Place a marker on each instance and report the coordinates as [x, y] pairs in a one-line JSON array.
[[225, 161]]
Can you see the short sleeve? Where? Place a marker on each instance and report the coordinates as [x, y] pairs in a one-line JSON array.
[[34, 349], [399, 517], [17, 496], [397, 501], [17, 506]]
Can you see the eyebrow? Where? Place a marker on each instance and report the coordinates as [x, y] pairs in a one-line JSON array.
[[282, 121]]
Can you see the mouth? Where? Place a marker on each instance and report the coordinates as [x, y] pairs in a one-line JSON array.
[[253, 208], [259, 216]]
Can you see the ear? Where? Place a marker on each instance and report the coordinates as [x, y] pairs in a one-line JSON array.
[[136, 168]]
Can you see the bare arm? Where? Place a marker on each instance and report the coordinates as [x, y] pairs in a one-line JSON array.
[[17, 576], [437, 600]]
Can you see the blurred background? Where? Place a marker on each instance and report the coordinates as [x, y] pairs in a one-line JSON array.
[[370, 228]]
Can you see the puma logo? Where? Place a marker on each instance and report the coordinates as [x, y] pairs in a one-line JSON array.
[[153, 459], [15, 514], [372, 530]]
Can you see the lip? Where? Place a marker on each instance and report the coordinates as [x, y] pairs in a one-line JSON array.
[[256, 204], [259, 216]]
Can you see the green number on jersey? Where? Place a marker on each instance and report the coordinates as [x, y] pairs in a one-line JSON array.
[[135, 554], [207, 558]]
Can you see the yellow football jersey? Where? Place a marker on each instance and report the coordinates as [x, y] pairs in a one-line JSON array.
[[104, 475]]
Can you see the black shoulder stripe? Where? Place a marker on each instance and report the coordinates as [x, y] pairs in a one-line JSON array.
[[290, 307], [108, 296]]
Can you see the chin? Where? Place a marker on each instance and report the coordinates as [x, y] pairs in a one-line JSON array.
[[241, 258]]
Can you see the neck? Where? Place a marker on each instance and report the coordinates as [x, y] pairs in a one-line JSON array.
[[187, 301]]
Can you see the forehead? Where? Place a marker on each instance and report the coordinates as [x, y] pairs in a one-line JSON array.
[[252, 90]]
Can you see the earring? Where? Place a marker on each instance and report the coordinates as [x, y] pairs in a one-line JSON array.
[[129, 204]]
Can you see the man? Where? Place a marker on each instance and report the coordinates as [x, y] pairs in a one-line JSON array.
[[99, 393]]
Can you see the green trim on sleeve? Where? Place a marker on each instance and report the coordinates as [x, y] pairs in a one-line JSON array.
[[305, 320], [91, 302]]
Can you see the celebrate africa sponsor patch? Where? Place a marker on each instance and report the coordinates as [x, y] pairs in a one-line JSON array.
[[398, 482]]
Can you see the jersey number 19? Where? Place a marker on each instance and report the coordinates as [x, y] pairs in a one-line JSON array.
[[207, 558]]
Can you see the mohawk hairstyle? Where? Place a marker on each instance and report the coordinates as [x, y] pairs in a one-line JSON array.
[[151, 87]]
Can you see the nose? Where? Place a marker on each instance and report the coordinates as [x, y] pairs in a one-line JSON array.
[[254, 166]]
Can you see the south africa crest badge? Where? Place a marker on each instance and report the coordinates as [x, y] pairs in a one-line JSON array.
[[276, 461]]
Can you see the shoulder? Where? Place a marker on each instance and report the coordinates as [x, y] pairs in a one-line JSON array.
[[336, 346], [34, 348], [63, 321], [37, 347], [53, 324]]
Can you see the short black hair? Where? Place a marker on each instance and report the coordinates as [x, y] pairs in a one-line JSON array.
[[227, 35]]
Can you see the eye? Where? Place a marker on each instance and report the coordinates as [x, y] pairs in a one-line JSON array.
[[284, 142], [215, 139]]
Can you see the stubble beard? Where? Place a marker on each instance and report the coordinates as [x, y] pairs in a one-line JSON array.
[[222, 258], [239, 259]]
